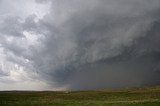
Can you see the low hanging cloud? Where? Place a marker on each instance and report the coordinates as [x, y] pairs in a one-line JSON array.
[[78, 44]]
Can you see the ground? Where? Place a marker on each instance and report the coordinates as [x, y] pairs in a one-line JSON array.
[[146, 96]]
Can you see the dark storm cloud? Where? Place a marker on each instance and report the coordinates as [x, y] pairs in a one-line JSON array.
[[100, 43], [91, 44]]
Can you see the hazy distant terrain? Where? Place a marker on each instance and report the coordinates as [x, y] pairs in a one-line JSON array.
[[147, 96]]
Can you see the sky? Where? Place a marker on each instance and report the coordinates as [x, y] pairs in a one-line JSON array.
[[79, 44]]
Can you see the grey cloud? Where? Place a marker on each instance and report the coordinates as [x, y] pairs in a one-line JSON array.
[[3, 73], [137, 65], [11, 27], [93, 44], [98, 32], [101, 30]]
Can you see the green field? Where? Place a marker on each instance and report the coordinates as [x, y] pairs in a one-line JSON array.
[[147, 96]]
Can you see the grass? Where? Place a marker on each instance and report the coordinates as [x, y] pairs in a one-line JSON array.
[[148, 96]]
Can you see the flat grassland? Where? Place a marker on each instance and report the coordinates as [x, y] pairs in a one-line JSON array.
[[147, 96]]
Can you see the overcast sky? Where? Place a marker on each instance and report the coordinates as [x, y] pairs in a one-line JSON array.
[[79, 44]]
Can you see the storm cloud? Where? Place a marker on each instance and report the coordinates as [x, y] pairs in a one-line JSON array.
[[78, 44]]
